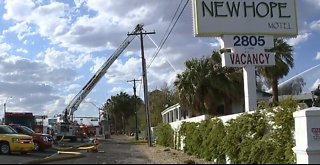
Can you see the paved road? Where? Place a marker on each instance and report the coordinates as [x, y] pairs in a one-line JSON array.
[[116, 150], [17, 158]]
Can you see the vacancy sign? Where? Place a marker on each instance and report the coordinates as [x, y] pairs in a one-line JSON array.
[[244, 50], [245, 59], [241, 17]]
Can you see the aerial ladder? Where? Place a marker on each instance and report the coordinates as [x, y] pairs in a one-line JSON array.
[[67, 128]]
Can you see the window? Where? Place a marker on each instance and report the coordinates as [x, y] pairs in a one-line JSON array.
[[176, 114], [7, 130], [20, 131]]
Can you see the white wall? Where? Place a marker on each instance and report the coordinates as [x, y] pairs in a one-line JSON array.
[[307, 135], [176, 125], [229, 117]]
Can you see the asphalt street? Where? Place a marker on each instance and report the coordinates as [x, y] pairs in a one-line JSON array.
[[117, 150]]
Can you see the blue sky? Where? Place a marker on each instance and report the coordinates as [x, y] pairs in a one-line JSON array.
[[49, 49]]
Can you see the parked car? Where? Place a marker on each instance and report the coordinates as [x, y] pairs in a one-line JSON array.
[[41, 141], [11, 141]]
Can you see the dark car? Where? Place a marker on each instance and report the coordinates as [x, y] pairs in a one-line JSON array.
[[41, 141]]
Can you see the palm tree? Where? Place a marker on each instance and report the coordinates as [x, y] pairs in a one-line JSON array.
[[188, 86], [120, 107], [284, 62], [229, 84], [205, 85]]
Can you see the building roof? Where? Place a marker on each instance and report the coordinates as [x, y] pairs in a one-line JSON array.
[[305, 96], [264, 94], [170, 108]]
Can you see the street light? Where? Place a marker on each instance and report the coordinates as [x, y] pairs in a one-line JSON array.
[[4, 109], [99, 109]]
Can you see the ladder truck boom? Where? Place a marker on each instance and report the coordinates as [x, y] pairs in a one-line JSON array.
[[76, 101]]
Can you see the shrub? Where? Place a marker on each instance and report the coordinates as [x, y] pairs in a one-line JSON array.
[[265, 136], [165, 135], [242, 136]]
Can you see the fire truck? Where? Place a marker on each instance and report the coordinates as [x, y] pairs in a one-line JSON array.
[[23, 118], [27, 119], [65, 126]]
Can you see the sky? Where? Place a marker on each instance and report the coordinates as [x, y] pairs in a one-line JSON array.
[[49, 49]]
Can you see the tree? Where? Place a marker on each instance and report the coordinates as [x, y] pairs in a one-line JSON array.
[[160, 99], [284, 61], [120, 108], [205, 85], [191, 85], [294, 87]]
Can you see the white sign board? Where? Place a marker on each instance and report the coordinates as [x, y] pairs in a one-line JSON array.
[[247, 43], [255, 17], [248, 59], [247, 50]]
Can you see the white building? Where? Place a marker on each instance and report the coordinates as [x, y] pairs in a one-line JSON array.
[[176, 113], [173, 113]]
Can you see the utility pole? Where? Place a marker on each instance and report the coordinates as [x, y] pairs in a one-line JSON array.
[[5, 109], [4, 113], [135, 107], [145, 83]]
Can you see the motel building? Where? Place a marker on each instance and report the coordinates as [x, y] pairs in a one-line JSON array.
[[177, 113]]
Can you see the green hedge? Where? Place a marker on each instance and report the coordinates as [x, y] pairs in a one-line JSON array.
[[204, 139], [243, 136], [164, 135], [262, 137]]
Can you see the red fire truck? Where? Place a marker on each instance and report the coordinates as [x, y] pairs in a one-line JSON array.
[[26, 119], [23, 118]]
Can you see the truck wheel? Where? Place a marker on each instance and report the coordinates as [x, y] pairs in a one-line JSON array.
[[4, 148]]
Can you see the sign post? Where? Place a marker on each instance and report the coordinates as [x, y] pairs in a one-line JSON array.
[[250, 93], [248, 51], [247, 28]]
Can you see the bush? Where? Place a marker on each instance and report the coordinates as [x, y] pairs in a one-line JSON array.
[[262, 137], [165, 135], [192, 140], [242, 136], [283, 131], [204, 139]]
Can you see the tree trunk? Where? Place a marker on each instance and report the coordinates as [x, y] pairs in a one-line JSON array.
[[115, 123], [124, 125], [210, 105], [275, 91]]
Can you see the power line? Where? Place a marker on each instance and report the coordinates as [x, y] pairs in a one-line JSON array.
[[295, 76], [165, 57], [162, 43], [174, 15], [164, 39]]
